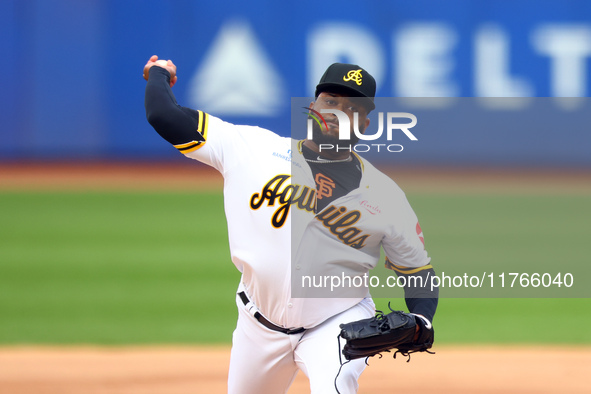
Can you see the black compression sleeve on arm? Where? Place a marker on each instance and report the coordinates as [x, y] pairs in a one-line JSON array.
[[422, 306], [176, 124], [419, 296]]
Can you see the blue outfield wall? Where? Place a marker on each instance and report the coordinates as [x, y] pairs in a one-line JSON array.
[[72, 85]]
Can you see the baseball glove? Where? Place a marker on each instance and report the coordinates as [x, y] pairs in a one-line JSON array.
[[381, 333]]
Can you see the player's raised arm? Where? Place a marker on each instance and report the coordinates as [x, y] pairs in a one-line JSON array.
[[176, 124]]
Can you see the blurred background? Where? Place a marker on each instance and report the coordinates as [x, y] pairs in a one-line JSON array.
[[108, 236], [72, 86], [90, 254]]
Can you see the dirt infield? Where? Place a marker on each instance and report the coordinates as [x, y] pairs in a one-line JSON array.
[[166, 370], [192, 176]]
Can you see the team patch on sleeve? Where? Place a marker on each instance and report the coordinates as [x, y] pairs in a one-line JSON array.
[[189, 147], [405, 270]]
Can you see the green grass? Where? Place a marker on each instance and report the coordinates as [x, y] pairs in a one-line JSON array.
[[508, 233], [115, 268], [511, 321], [135, 268]]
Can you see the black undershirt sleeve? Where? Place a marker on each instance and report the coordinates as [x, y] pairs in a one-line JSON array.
[[419, 296], [174, 123]]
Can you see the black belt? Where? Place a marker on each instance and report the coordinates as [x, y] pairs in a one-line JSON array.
[[267, 323]]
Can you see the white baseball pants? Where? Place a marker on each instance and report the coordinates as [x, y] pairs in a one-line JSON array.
[[264, 361]]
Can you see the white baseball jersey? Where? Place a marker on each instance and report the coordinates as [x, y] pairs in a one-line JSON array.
[[266, 182]]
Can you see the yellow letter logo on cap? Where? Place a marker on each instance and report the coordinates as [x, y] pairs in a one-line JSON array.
[[353, 75]]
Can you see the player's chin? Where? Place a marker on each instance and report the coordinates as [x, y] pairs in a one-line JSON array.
[[326, 138]]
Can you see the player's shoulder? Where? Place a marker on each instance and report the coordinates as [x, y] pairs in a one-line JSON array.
[[249, 135], [379, 183], [375, 175], [218, 123]]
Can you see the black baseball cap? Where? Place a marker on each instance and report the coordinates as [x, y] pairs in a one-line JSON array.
[[349, 80]]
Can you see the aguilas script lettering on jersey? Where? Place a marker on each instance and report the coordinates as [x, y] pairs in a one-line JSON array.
[[280, 190], [338, 220]]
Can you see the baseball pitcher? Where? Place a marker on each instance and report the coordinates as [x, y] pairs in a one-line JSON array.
[[296, 211]]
